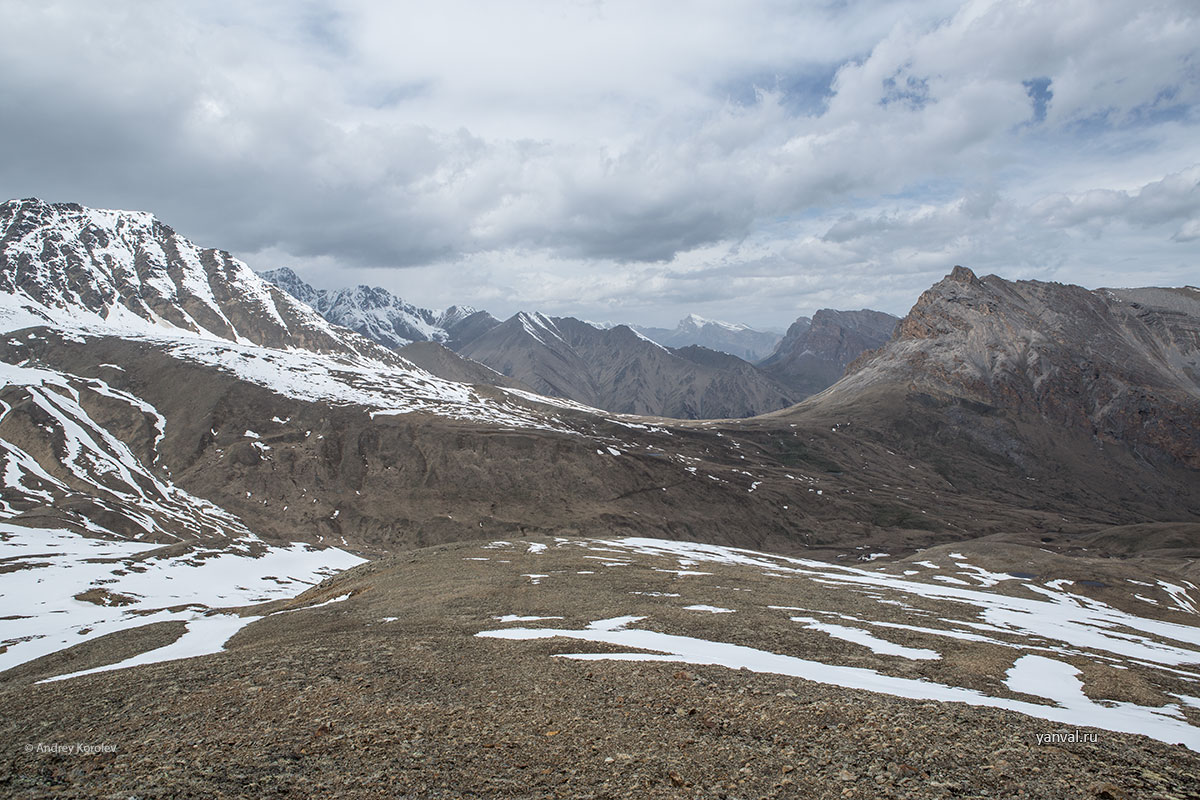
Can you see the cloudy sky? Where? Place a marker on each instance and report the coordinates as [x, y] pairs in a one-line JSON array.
[[627, 161]]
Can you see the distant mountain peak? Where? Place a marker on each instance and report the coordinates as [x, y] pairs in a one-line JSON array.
[[726, 337], [373, 311], [815, 352], [697, 321], [538, 325], [621, 369]]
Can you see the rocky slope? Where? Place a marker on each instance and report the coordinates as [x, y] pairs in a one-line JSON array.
[[814, 353], [725, 337], [567, 667], [620, 370], [1052, 395], [127, 271], [440, 360], [375, 312], [1117, 366]]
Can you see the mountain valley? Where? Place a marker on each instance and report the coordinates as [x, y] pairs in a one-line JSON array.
[[684, 373], [531, 557]]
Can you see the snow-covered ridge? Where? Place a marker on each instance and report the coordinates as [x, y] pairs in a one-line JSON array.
[[92, 273], [697, 321], [348, 380], [61, 260], [373, 312], [52, 453]]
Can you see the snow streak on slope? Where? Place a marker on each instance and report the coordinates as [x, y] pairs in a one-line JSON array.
[[61, 589], [395, 386], [345, 380], [1072, 706], [537, 325], [1072, 622], [1059, 636], [87, 473]]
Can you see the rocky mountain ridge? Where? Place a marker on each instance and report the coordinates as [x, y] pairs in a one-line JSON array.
[[619, 369], [374, 312], [126, 270], [815, 352], [1116, 365]]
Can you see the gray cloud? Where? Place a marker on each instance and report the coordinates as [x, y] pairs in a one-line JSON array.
[[638, 159]]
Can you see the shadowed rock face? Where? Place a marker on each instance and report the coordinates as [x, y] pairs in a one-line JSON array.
[[815, 353], [1118, 365], [445, 363], [620, 370]]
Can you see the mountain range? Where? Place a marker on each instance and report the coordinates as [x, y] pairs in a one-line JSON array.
[[620, 370], [326, 568], [378, 314], [691, 372], [614, 368], [120, 300]]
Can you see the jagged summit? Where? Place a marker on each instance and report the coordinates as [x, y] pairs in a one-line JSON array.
[[815, 352], [1115, 364], [375, 312], [128, 270], [961, 274]]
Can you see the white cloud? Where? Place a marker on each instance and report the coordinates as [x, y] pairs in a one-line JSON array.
[[748, 160]]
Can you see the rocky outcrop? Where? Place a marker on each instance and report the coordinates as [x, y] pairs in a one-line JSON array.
[[1119, 365], [816, 352]]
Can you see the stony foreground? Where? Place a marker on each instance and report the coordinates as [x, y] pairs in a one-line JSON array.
[[391, 692]]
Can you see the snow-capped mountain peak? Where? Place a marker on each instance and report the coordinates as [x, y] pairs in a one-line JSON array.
[[726, 337], [697, 321], [127, 270], [373, 312]]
